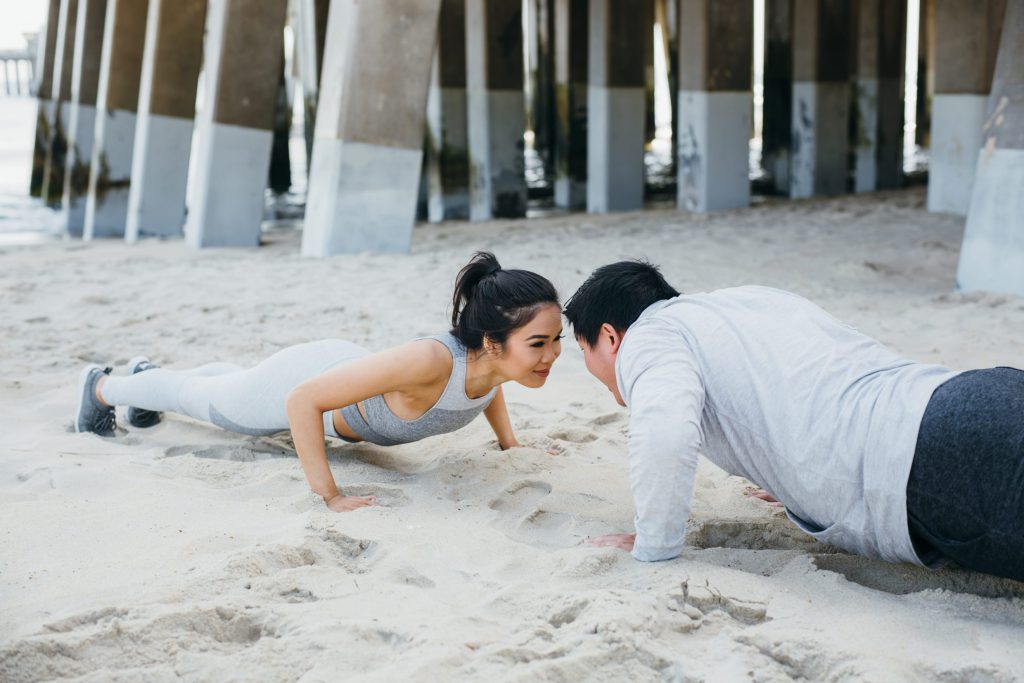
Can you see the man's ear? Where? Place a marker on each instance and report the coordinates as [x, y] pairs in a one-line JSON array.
[[613, 337]]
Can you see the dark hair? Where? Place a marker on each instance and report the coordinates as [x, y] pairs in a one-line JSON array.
[[493, 302], [615, 294]]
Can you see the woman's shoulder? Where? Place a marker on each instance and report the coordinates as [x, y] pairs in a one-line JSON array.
[[425, 360]]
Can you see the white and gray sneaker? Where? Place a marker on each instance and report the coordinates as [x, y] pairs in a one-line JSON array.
[[93, 415], [140, 417]]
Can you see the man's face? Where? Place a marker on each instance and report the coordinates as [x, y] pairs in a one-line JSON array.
[[600, 359]]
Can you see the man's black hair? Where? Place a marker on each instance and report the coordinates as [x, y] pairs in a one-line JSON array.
[[615, 294]]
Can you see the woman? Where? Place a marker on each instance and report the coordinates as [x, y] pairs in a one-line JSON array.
[[506, 326]]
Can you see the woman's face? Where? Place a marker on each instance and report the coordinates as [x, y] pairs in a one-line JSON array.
[[530, 351]]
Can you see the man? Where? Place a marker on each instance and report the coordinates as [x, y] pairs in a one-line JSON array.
[[882, 456]]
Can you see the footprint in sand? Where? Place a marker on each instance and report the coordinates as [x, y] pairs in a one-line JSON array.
[[523, 518], [574, 435], [521, 495]]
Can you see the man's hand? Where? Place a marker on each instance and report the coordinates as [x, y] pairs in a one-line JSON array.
[[761, 494], [340, 503], [620, 541]]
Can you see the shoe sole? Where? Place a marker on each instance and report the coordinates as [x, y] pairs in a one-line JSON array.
[[135, 362], [83, 386]]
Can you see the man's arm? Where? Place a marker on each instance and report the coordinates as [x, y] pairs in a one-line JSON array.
[[660, 382]]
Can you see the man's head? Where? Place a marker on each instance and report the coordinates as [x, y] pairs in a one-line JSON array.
[[604, 307]]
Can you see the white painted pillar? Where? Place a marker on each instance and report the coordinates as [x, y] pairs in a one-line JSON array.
[[242, 68], [91, 20], [715, 65], [106, 208], [171, 61], [966, 41], [618, 37], [992, 257], [368, 150]]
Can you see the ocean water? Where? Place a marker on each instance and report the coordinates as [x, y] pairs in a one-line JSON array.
[[23, 220]]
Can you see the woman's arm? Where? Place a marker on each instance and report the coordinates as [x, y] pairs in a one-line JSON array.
[[402, 367], [497, 415]]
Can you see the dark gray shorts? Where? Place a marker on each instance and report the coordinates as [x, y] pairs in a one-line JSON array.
[[965, 495]]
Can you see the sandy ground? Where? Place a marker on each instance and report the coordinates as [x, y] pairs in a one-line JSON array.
[[186, 551]]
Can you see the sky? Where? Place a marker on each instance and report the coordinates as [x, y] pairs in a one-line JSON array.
[[19, 16]]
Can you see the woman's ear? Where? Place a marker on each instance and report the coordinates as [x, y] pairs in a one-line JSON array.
[[491, 347]]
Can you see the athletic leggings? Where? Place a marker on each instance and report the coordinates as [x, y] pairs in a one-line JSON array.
[[965, 495], [247, 401]]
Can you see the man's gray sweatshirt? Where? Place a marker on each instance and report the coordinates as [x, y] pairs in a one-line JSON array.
[[771, 388]]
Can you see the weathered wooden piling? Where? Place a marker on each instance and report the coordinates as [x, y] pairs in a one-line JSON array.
[[992, 257], [495, 109], [367, 155], [618, 39], [171, 62], [966, 43], [715, 68], [242, 64], [447, 145], [117, 100]]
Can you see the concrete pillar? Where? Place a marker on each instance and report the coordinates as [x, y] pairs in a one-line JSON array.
[[310, 28], [925, 72], [618, 37], [171, 60], [542, 74], [63, 65], [106, 207], [244, 41], [715, 104], [821, 97], [447, 153], [966, 41], [571, 52], [91, 20], [368, 150], [777, 111], [495, 109], [992, 257], [878, 110], [44, 91]]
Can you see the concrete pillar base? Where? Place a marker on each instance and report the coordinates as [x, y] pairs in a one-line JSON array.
[[820, 110], [106, 209], [615, 149], [992, 257], [76, 181], [362, 198], [497, 174], [956, 138], [231, 175], [865, 177], [156, 198], [718, 122]]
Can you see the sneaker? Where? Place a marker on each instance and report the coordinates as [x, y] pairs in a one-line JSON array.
[[93, 416], [140, 417]]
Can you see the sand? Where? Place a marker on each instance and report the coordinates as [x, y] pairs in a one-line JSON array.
[[184, 551]]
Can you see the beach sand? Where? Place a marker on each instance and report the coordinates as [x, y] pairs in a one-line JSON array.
[[187, 551]]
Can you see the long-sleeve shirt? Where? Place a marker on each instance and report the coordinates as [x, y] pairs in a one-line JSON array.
[[770, 387]]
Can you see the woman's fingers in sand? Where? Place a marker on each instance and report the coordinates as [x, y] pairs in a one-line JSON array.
[[349, 503], [620, 541], [761, 494]]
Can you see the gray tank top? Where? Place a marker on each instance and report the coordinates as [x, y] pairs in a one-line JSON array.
[[452, 411]]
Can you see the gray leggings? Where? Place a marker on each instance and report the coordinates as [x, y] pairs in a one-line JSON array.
[[247, 401]]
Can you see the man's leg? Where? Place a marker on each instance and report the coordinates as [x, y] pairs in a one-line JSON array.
[[965, 495]]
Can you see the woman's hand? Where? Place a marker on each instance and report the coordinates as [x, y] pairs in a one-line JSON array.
[[340, 503]]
